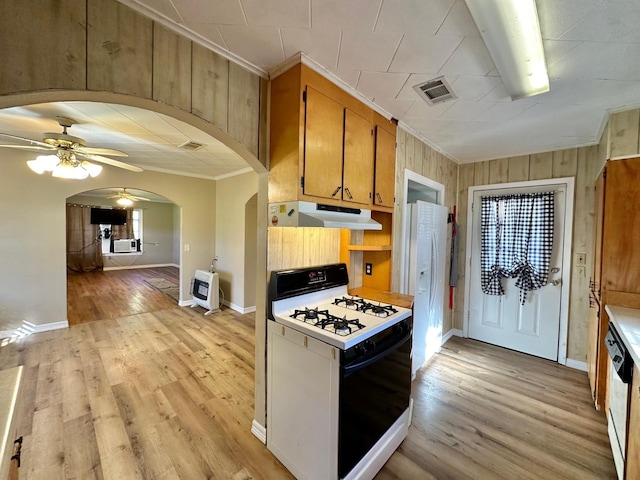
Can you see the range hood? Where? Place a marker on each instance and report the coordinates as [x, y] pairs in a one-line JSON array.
[[309, 214]]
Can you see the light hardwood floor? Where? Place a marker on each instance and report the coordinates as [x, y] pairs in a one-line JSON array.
[[168, 394], [116, 293]]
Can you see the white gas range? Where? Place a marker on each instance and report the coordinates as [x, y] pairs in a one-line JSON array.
[[338, 376]]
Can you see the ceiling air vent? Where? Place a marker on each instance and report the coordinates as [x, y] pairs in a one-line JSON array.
[[435, 91], [191, 146]]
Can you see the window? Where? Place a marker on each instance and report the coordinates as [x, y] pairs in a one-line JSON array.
[[137, 225]]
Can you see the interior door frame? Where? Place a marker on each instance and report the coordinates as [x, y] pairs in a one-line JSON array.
[[406, 215], [569, 183]]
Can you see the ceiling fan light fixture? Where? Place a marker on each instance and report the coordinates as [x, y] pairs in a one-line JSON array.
[[43, 163], [125, 202], [64, 165], [93, 169], [68, 170]]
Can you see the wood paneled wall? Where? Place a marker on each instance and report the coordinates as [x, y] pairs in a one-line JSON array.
[[104, 46], [624, 134], [581, 163], [302, 247], [413, 154]]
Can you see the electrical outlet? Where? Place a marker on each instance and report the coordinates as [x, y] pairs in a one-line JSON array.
[[581, 272], [581, 258], [368, 268], [187, 247]]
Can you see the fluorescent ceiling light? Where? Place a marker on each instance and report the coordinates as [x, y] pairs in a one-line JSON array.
[[511, 32]]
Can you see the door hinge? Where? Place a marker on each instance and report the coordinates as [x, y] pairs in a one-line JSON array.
[[304, 96], [302, 182], [604, 173]]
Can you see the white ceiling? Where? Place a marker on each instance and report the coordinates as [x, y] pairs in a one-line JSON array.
[[382, 48]]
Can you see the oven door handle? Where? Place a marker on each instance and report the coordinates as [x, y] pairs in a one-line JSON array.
[[349, 369]]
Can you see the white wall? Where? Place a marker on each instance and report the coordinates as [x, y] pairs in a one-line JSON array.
[[251, 250], [232, 194], [33, 233]]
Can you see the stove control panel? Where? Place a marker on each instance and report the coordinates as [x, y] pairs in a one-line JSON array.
[[317, 276]]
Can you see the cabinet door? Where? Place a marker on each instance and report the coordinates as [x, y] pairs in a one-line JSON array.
[[596, 335], [324, 120], [385, 175], [358, 159], [633, 436]]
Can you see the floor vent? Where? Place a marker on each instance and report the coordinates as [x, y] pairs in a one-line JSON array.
[[435, 91], [191, 146]]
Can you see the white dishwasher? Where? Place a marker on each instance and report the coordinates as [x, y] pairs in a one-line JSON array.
[[620, 375]]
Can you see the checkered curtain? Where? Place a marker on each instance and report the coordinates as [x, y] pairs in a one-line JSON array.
[[517, 240]]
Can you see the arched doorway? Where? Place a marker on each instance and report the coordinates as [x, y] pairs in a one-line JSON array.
[[139, 260]]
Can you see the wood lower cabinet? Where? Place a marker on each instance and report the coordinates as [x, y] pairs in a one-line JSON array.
[[617, 258]]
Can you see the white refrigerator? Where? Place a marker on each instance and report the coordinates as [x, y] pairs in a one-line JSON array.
[[425, 278]]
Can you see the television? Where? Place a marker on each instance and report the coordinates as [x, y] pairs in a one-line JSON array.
[[108, 216]]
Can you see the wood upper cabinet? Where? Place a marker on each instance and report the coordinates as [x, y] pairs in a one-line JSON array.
[[357, 182], [338, 158], [385, 168], [324, 119], [617, 257], [322, 145]]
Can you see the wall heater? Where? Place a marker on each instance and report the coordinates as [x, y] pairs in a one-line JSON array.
[[205, 291]]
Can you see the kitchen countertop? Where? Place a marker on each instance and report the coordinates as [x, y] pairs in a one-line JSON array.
[[9, 388], [627, 323], [392, 298]]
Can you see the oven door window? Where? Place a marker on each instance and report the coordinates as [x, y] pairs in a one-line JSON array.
[[372, 398]]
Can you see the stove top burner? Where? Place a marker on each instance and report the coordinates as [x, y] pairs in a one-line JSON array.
[[331, 323], [379, 310], [365, 306], [310, 315], [349, 302]]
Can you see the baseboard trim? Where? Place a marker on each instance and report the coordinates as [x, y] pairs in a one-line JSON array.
[[259, 431], [135, 267], [451, 333], [29, 328], [238, 308], [577, 365]]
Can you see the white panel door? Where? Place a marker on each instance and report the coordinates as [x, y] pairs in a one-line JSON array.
[[427, 247], [531, 328]]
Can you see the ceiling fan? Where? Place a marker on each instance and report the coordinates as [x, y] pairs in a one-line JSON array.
[[65, 148], [125, 198]]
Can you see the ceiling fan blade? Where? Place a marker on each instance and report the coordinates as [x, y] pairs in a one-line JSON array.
[[110, 161], [139, 198], [100, 151], [28, 140], [29, 147]]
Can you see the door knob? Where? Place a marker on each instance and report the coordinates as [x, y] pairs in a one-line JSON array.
[[555, 283], [555, 270]]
